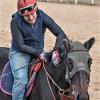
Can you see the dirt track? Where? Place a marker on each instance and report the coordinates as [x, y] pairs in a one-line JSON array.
[[80, 22]]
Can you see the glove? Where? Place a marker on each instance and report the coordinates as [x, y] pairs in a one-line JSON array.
[[43, 56], [55, 58]]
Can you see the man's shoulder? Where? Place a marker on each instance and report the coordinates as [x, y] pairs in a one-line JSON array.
[[16, 16], [42, 14]]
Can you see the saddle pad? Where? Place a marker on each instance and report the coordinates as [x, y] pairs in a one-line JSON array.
[[6, 81]]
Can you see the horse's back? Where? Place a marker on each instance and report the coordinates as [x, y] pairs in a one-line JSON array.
[[4, 52], [3, 56]]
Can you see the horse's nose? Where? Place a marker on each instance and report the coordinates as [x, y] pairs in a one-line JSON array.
[[83, 97]]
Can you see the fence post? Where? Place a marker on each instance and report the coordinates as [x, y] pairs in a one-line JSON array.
[[76, 2], [92, 1], [61, 1], [46, 0]]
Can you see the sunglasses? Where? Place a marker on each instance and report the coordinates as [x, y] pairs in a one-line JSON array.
[[28, 9]]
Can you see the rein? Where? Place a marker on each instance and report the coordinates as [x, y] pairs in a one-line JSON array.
[[62, 92]]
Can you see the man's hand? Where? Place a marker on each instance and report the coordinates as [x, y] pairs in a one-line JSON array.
[[55, 58], [43, 56]]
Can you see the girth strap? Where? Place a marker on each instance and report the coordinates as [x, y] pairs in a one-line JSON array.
[[32, 78]]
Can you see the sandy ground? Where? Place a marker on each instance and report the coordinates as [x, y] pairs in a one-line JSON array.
[[79, 22]]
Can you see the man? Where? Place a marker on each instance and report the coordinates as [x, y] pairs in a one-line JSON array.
[[28, 26]]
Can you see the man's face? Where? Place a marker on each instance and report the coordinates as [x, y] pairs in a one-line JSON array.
[[29, 13], [30, 18]]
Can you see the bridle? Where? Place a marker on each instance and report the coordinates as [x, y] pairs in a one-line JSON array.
[[64, 94], [67, 94], [76, 69]]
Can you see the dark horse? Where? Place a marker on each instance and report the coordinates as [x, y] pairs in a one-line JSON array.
[[70, 79]]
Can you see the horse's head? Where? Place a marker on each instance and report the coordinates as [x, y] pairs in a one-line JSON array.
[[78, 63]]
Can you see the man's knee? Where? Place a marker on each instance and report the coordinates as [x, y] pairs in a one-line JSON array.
[[20, 80]]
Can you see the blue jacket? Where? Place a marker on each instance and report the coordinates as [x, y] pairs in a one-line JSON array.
[[29, 38]]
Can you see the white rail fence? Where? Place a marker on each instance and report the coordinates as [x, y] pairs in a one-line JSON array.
[[93, 2], [76, 1]]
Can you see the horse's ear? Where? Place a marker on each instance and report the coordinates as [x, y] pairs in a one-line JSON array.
[[88, 44], [66, 44]]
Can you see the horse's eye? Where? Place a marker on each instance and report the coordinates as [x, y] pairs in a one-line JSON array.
[[89, 62], [70, 64]]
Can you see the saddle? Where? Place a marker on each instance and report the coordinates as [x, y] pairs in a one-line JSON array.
[[6, 81]]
